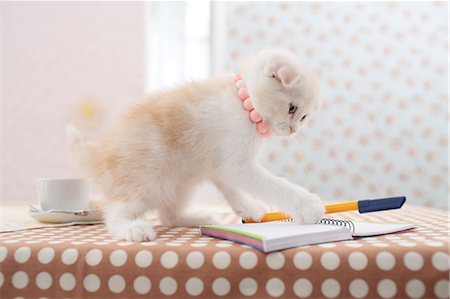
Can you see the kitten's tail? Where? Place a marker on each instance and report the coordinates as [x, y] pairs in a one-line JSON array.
[[81, 151]]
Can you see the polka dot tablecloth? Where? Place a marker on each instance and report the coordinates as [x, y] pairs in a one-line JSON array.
[[85, 262]]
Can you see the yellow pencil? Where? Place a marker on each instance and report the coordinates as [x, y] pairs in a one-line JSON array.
[[363, 206]]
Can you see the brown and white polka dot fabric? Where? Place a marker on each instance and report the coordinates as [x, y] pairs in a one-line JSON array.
[[84, 262]]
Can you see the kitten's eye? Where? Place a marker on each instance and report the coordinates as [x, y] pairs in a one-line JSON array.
[[303, 117], [292, 109]]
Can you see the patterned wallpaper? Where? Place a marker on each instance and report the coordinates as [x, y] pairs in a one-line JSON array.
[[382, 129], [383, 68], [63, 62]]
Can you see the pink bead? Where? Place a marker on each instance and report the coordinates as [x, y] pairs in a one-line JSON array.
[[237, 78], [267, 134], [243, 93], [240, 84], [255, 116], [248, 105], [262, 127]]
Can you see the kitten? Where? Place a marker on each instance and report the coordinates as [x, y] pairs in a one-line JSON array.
[[177, 138]]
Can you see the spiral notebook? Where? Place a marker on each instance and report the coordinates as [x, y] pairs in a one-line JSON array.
[[272, 236]]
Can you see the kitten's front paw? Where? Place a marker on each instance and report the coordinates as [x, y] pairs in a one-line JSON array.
[[135, 230], [308, 210], [251, 210]]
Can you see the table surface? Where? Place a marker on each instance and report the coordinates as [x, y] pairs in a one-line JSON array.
[[84, 261]]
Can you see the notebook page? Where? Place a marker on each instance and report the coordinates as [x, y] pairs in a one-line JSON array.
[[365, 229]]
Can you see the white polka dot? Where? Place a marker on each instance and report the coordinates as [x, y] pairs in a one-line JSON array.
[[202, 241], [417, 238], [20, 280], [225, 242], [169, 259], [303, 287], [248, 260], [302, 260], [116, 284], [142, 285], [386, 288], [275, 287], [69, 256], [67, 281], [118, 257], [415, 288], [151, 243], [221, 286], [445, 238], [22, 254], [413, 261], [223, 245], [91, 283], [221, 260], [2, 279], [248, 286], [327, 245], [143, 258], [407, 244], [330, 288], [168, 286], [358, 288], [94, 257], [3, 253], [442, 288], [11, 241], [385, 261], [44, 280], [434, 244], [275, 260], [383, 245], [77, 243], [194, 286], [330, 260], [46, 255], [195, 260], [440, 261], [358, 261]]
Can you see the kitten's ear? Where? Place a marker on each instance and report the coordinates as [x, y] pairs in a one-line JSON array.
[[283, 73]]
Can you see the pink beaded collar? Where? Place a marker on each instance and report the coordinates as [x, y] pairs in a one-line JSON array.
[[242, 92]]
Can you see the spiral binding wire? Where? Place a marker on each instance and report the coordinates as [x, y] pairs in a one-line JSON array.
[[347, 223]]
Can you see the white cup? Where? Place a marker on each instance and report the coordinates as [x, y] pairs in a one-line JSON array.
[[63, 194]]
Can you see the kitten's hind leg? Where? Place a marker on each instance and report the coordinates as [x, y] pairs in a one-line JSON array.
[[177, 213], [171, 218], [125, 221]]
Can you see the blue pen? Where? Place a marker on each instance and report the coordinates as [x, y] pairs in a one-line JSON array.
[[367, 205]]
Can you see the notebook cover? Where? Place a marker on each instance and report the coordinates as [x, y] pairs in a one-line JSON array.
[[276, 235]]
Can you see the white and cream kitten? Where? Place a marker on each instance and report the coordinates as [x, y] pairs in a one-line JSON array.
[[177, 138]]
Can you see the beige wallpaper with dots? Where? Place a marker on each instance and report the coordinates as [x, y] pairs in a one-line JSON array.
[[63, 63], [382, 129]]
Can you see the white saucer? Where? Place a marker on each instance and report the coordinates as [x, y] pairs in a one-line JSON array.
[[94, 216]]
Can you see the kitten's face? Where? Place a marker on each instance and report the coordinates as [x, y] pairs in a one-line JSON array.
[[282, 90]]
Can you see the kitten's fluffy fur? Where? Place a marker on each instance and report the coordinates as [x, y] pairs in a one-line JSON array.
[[177, 138]]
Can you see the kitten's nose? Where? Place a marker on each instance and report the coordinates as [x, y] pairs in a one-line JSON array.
[[291, 130]]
